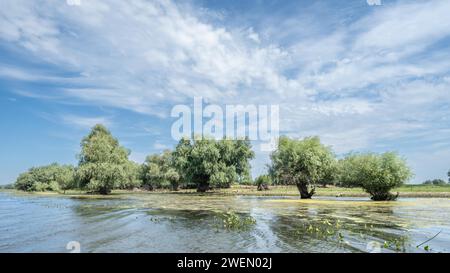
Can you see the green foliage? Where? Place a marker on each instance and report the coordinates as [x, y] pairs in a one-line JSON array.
[[7, 186], [331, 175], [303, 163], [205, 163], [131, 176], [233, 221], [46, 178], [101, 147], [104, 164], [211, 163], [159, 171], [263, 182], [65, 177], [436, 182], [348, 170], [376, 174], [238, 153]]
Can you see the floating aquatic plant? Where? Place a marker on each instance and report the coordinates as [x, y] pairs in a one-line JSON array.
[[233, 221]]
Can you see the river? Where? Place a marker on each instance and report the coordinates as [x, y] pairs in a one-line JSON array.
[[194, 223]]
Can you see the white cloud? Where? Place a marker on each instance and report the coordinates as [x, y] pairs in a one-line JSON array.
[[160, 146], [142, 52], [85, 122], [406, 25], [378, 80]]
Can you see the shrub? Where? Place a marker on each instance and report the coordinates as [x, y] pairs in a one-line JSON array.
[[376, 174], [436, 182], [46, 178], [263, 182], [7, 186]]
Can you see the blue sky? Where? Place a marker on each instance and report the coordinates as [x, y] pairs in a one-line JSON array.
[[362, 77]]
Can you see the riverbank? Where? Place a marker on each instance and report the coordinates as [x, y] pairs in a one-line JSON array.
[[404, 191]]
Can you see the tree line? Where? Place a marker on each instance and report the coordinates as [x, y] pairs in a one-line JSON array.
[[204, 163], [104, 165]]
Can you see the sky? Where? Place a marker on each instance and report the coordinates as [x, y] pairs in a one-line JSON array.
[[364, 75]]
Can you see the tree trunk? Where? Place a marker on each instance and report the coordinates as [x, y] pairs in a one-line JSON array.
[[104, 191], [203, 187], [202, 183], [304, 193], [384, 196]]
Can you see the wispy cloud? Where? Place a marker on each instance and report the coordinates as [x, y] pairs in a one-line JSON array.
[[362, 77], [85, 122], [140, 53]]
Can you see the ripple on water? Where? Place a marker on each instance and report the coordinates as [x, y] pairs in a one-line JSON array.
[[188, 223]]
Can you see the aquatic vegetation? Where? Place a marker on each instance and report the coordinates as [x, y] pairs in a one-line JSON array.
[[230, 220], [155, 220], [322, 229], [348, 234], [395, 244], [231, 223], [427, 247]]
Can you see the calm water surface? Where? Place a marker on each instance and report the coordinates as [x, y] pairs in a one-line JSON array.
[[192, 223]]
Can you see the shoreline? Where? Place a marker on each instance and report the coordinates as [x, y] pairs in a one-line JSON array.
[[408, 191]]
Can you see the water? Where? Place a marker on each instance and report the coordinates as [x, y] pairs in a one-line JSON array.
[[192, 223]]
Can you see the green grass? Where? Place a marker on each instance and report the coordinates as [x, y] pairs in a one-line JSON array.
[[405, 191], [424, 188]]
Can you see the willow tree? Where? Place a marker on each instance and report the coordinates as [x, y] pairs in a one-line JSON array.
[[237, 153], [303, 163], [377, 174], [158, 171], [103, 163], [51, 177], [210, 163]]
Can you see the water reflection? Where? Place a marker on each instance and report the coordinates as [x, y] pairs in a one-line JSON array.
[[192, 223]]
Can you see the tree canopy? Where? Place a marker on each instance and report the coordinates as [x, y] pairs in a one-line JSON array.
[[159, 171], [377, 174], [103, 163], [435, 182], [207, 163], [303, 163], [52, 177], [213, 163]]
